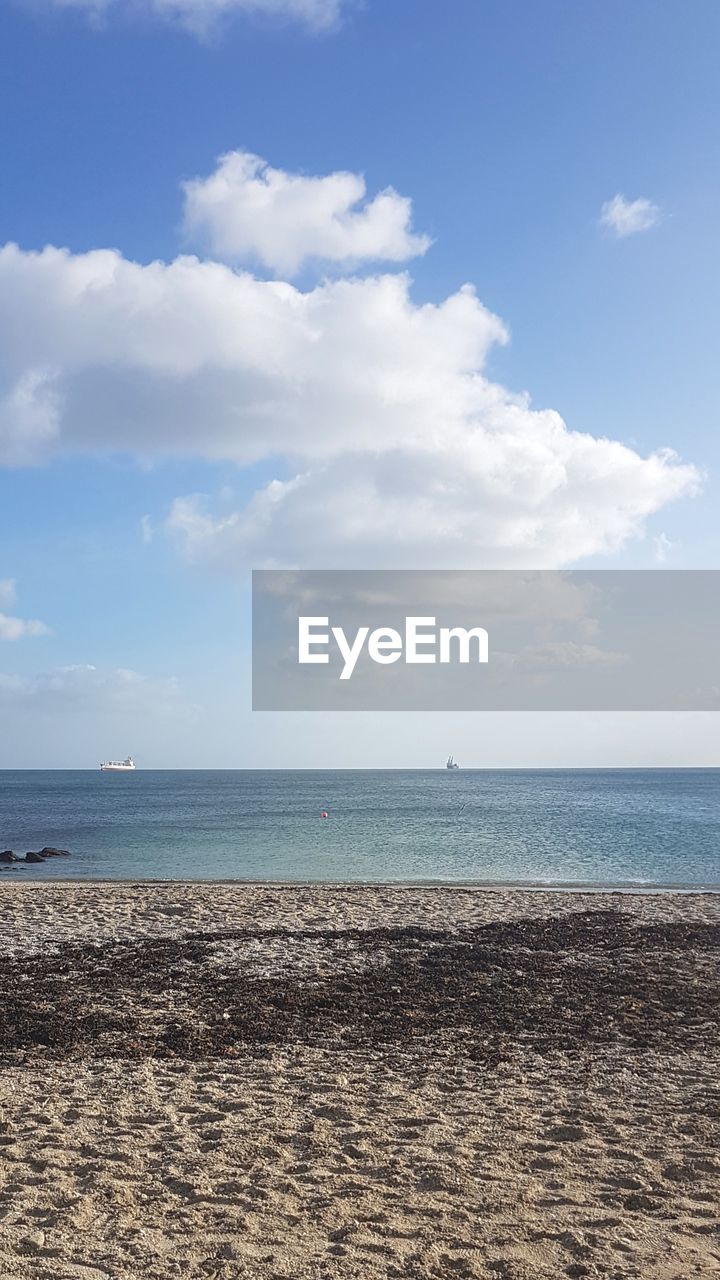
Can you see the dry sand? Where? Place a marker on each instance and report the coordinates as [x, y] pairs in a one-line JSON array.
[[320, 1082]]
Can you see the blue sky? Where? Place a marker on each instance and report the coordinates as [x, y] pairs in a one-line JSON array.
[[508, 126]]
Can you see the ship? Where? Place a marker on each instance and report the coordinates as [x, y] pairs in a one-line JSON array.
[[117, 766], [451, 763]]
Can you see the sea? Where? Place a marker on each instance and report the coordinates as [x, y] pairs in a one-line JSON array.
[[591, 828]]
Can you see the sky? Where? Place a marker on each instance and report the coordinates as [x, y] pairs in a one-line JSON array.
[[328, 284]]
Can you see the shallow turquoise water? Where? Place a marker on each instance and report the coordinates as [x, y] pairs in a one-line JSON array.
[[593, 827]]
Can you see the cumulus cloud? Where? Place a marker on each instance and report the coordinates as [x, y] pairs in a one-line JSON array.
[[391, 444], [247, 210], [16, 628], [200, 16], [531, 494], [191, 357], [628, 217]]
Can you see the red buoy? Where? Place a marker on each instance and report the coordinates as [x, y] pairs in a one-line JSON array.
[[324, 813]]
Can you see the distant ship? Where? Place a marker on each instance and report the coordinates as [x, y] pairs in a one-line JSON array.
[[452, 764], [117, 766]]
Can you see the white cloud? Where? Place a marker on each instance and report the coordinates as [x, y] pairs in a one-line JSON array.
[[194, 358], [628, 217], [556, 655], [248, 211], [85, 687], [102, 712], [663, 546], [392, 446], [16, 628], [200, 16], [531, 495]]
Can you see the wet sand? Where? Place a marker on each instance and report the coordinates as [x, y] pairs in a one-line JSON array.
[[342, 1081]]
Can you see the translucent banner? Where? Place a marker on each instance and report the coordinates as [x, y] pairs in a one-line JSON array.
[[494, 640]]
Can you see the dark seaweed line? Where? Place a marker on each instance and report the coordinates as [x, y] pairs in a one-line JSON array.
[[570, 983]]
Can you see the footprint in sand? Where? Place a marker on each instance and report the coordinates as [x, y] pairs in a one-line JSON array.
[[566, 1133]]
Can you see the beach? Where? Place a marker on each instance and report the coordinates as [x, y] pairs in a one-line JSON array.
[[319, 1081]]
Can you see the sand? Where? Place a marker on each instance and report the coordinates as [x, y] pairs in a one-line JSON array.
[[279, 1082]]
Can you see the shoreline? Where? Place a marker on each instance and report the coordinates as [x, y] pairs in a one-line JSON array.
[[627, 888]]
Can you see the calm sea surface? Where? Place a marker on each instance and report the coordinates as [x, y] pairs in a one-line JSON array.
[[579, 827]]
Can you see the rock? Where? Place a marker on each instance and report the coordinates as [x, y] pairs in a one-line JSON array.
[[34, 857], [7, 855], [50, 852]]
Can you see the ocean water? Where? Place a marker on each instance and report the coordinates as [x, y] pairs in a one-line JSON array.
[[543, 827]]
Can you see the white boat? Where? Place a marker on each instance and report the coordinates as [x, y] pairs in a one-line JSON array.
[[452, 764], [117, 766]]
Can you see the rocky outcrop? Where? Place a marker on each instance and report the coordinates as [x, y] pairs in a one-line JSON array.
[[41, 855]]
